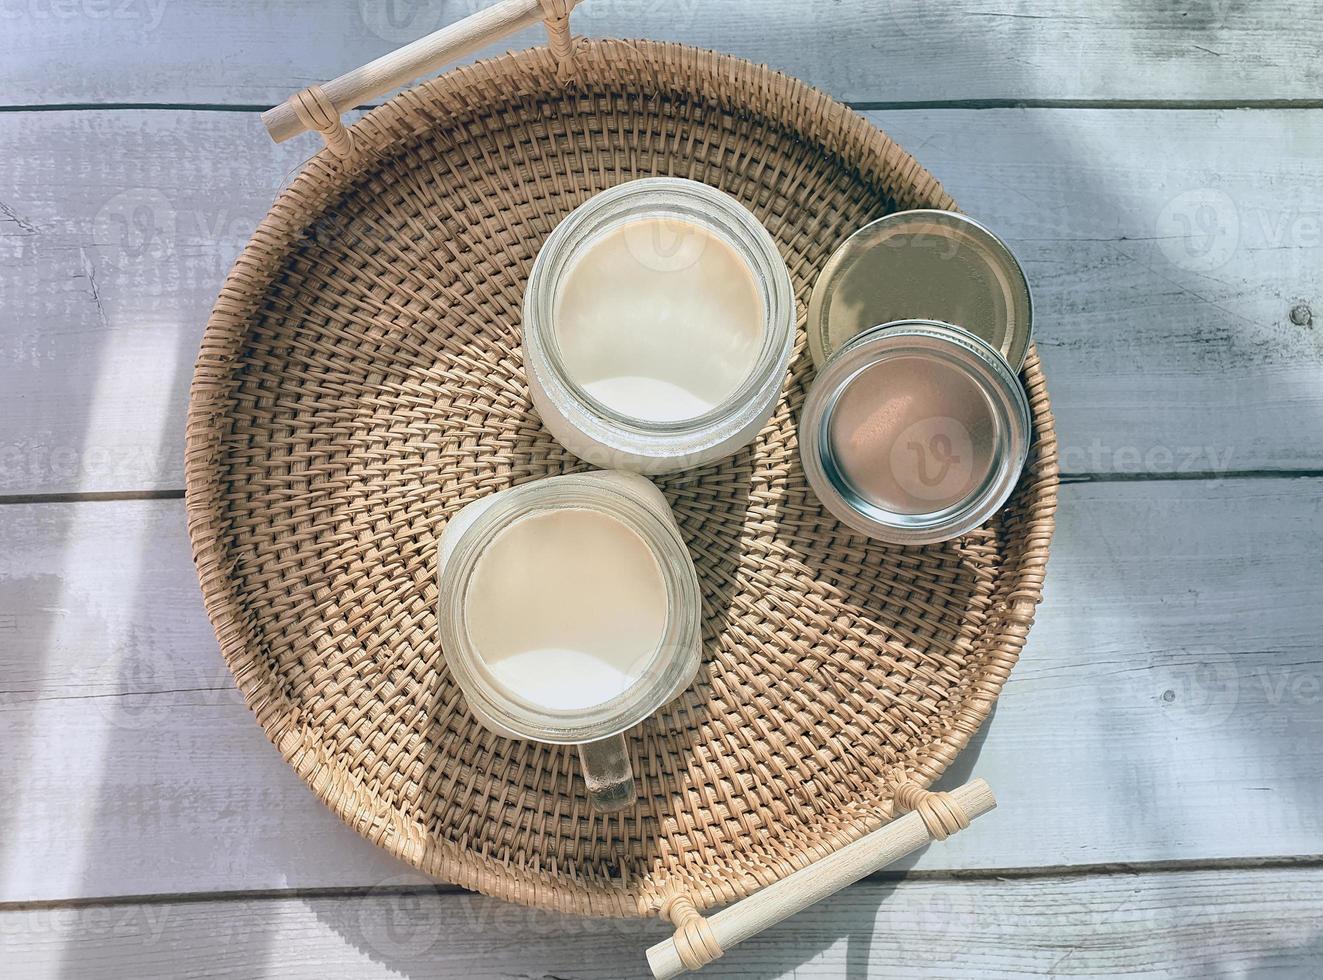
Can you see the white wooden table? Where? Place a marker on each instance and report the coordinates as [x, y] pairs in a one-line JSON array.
[[1159, 170]]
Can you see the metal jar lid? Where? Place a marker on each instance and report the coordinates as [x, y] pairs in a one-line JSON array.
[[936, 265], [915, 432]]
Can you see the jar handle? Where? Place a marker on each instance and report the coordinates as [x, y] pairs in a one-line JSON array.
[[699, 939], [319, 106], [607, 772]]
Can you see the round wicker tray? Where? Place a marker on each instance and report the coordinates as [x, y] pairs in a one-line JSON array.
[[360, 381]]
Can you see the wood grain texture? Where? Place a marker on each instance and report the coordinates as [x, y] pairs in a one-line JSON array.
[[236, 52], [1260, 923], [1167, 703], [1166, 250]]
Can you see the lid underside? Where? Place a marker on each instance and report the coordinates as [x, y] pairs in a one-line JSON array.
[[928, 265]]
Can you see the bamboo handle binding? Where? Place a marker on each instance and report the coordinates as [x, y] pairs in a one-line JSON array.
[[318, 107], [699, 940]]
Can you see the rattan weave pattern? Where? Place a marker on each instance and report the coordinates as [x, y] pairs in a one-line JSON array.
[[360, 381]]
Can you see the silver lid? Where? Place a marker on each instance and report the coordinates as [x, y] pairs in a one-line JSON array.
[[915, 432], [934, 265]]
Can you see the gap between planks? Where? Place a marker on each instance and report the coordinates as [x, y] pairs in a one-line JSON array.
[[91, 496], [861, 106], [1285, 862], [1209, 475]]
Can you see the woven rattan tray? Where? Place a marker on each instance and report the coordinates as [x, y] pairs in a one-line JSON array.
[[360, 381]]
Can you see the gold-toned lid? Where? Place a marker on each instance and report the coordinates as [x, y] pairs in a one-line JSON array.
[[931, 265]]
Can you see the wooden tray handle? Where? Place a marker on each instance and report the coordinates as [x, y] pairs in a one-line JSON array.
[[319, 106], [699, 940]]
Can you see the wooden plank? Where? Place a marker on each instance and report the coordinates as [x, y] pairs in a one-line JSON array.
[[1168, 700], [235, 52], [110, 265], [132, 763], [1167, 251], [1257, 923]]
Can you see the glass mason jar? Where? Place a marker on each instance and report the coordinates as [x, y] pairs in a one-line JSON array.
[[596, 432], [915, 432], [653, 680]]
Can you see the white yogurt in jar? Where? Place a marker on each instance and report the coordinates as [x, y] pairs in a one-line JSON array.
[[658, 324], [659, 320], [567, 608]]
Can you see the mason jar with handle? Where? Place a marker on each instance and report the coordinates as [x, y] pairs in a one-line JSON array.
[[569, 612]]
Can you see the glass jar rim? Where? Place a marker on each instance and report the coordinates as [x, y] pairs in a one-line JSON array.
[[494, 701], [716, 212], [961, 349]]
